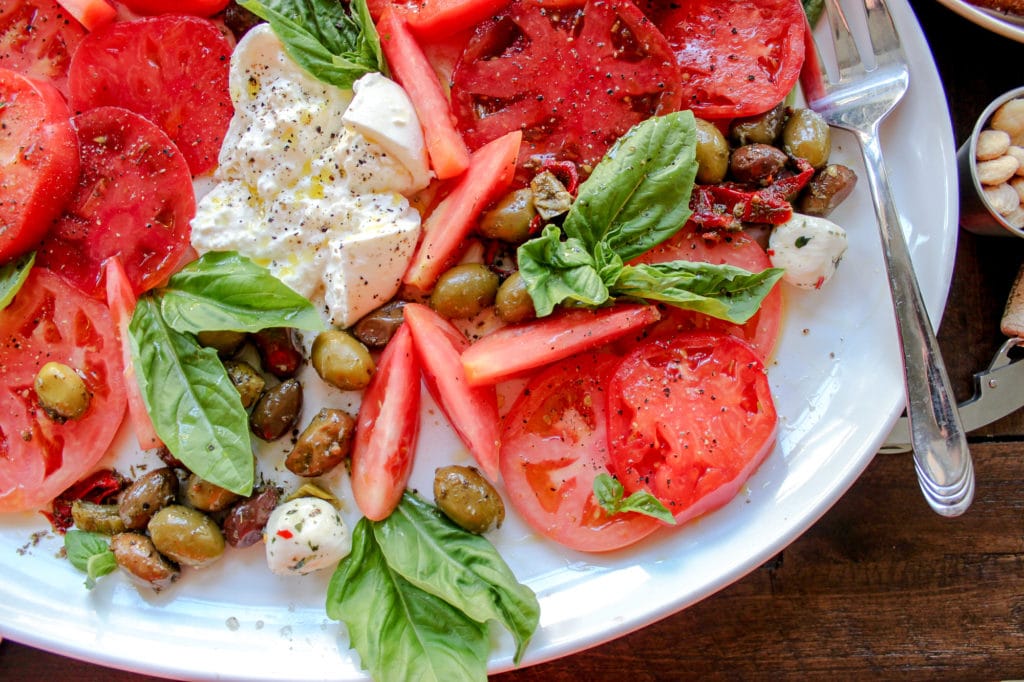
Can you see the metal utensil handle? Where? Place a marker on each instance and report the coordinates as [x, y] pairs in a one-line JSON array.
[[941, 456]]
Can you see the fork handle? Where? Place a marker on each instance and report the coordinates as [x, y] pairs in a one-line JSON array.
[[941, 456]]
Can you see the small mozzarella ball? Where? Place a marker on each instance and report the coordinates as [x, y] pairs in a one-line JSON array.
[[304, 535], [808, 248], [992, 144], [997, 171], [1009, 118], [1002, 198]]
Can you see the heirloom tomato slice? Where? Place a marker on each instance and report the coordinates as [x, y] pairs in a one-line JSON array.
[[39, 456], [573, 77], [690, 417], [37, 38], [554, 443]]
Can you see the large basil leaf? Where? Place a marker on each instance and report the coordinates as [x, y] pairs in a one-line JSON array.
[[813, 9], [639, 194], [331, 44], [226, 291], [464, 569], [13, 275], [195, 408], [722, 291], [400, 631], [556, 271]]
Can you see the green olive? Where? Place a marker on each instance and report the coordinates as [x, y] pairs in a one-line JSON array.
[[146, 495], [341, 360], [464, 291], [377, 328], [510, 218], [186, 535], [136, 554], [247, 380], [62, 393], [206, 496], [712, 153], [761, 129], [96, 518], [226, 342], [513, 302], [807, 136], [323, 444], [277, 410], [468, 499]]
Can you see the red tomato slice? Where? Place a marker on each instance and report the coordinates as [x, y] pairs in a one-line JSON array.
[[762, 330], [39, 167], [134, 199], [690, 418], [51, 321], [37, 38], [386, 429], [737, 57], [512, 350], [573, 77], [121, 301], [440, 18], [172, 69], [554, 444], [91, 13], [471, 410], [200, 8]]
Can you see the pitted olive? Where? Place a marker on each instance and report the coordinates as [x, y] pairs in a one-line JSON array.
[[510, 218], [342, 360], [712, 153], [186, 536], [206, 496], [464, 291], [323, 444], [146, 495], [247, 380], [96, 518], [761, 129], [136, 554], [276, 412], [807, 136], [468, 499], [226, 343], [61, 392], [513, 302], [377, 328], [245, 521]]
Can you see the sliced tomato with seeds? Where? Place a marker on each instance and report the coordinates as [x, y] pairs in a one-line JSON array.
[[37, 38], [39, 456], [690, 418], [573, 77], [134, 200], [172, 69]]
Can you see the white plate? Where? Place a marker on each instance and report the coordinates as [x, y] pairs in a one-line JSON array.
[[1006, 25], [836, 377]]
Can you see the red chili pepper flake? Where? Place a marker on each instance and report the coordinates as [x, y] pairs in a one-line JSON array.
[[285, 533], [566, 171]]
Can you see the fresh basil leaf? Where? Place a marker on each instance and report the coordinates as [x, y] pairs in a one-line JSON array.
[[400, 631], [227, 291], [13, 275], [722, 291], [464, 569], [195, 408], [90, 553], [556, 271], [639, 194], [333, 45], [813, 10], [608, 492]]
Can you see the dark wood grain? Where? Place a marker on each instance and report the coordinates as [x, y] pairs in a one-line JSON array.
[[880, 587]]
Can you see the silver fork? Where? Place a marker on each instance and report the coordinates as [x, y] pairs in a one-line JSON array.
[[857, 101]]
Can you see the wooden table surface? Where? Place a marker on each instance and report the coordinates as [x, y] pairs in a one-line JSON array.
[[881, 586]]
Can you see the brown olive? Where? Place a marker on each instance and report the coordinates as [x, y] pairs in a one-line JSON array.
[[247, 380], [513, 302], [277, 410], [186, 535], [136, 554], [322, 445], [96, 518], [342, 360], [510, 218], [550, 197], [206, 496], [712, 153], [377, 328], [61, 392], [827, 189], [245, 521], [464, 291], [278, 351], [226, 343], [468, 499], [760, 129], [807, 136], [757, 163], [146, 495]]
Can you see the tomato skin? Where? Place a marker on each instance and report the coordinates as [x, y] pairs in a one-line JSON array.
[[91, 13], [691, 417], [554, 444], [200, 8], [441, 18], [471, 410], [51, 321], [37, 38], [134, 199], [172, 69], [41, 163], [386, 429], [515, 349]]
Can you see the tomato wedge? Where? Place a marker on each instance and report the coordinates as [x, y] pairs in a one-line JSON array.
[[39, 162], [512, 350], [735, 248], [554, 444], [386, 429], [200, 8], [37, 38], [91, 13], [736, 57], [40, 457], [134, 199], [172, 69], [690, 419], [471, 410]]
